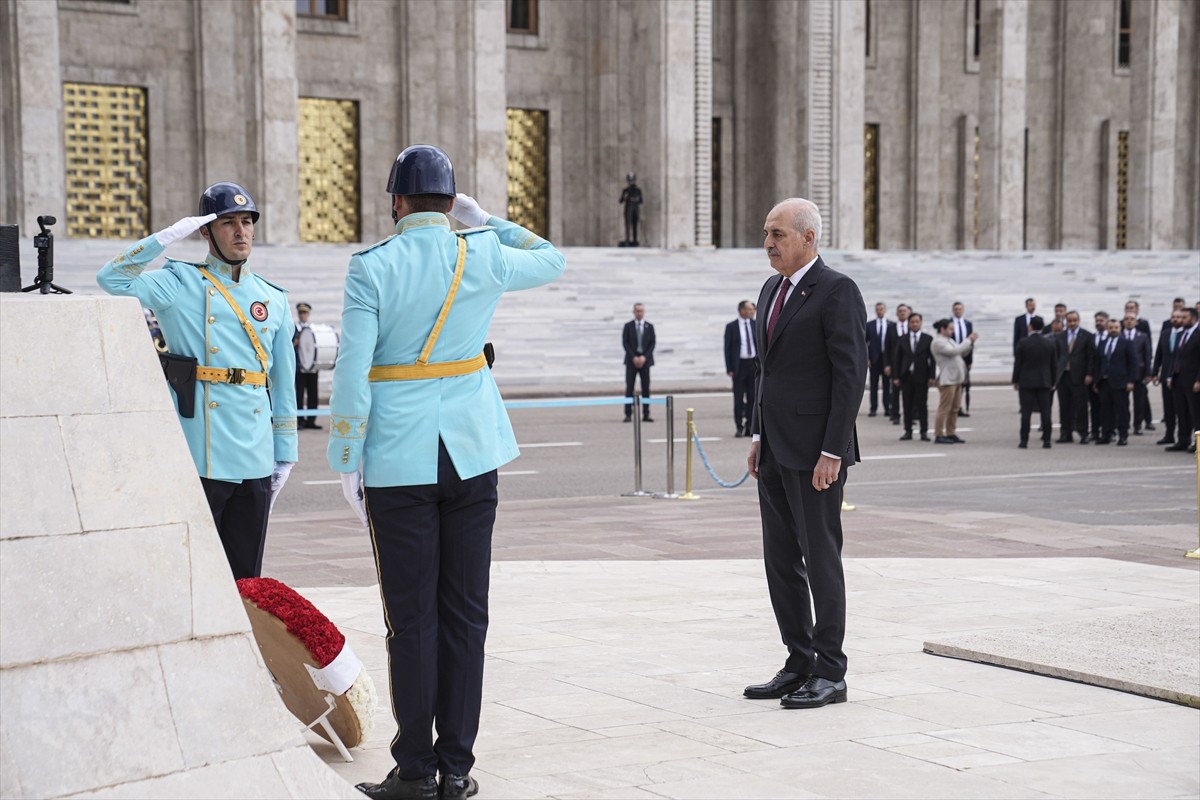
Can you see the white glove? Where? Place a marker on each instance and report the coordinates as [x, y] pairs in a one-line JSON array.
[[468, 212], [182, 229], [353, 492], [279, 477]]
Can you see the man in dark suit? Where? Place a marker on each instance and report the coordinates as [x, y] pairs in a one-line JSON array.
[[741, 360], [1034, 369], [914, 371], [1113, 372], [1142, 361], [813, 365], [876, 333], [638, 340], [1076, 349], [898, 329], [1163, 367], [1185, 380], [1021, 323], [963, 328], [1094, 406]]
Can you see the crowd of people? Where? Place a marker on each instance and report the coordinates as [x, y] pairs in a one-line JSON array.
[[1101, 380]]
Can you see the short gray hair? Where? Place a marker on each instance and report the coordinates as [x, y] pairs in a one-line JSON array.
[[807, 217]]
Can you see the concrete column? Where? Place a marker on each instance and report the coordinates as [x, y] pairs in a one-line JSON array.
[[676, 133], [925, 125], [703, 122], [1152, 135], [280, 147], [845, 215], [819, 53], [485, 91], [1108, 187], [1002, 124], [220, 92], [41, 167]]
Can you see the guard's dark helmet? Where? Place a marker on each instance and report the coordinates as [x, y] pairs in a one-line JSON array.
[[226, 198], [422, 169]]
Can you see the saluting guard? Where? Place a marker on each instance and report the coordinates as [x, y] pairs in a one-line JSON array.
[[416, 409], [230, 363]]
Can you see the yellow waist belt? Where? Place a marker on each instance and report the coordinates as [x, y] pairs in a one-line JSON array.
[[418, 372], [232, 375]]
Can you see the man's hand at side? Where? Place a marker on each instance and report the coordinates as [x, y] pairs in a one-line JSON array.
[[353, 492], [752, 460]]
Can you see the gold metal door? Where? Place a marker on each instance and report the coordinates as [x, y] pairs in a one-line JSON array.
[[529, 169], [871, 187], [328, 138]]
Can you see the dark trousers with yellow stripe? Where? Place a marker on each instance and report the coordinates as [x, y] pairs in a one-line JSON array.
[[433, 551]]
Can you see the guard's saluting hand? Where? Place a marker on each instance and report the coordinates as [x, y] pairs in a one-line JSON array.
[[182, 229]]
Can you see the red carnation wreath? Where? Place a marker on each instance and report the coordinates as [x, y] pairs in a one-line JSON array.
[[309, 659]]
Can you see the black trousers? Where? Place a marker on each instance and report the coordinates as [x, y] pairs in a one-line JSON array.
[[743, 393], [240, 511], [802, 552], [1072, 408], [966, 392], [1168, 417], [1184, 421], [915, 396], [433, 552], [306, 384], [1094, 406], [877, 377], [1114, 410], [632, 372], [1141, 406], [1035, 400]]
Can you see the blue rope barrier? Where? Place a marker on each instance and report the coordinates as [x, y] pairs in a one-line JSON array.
[[711, 472]]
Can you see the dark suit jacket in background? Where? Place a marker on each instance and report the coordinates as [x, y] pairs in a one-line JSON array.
[[1143, 360], [923, 363], [629, 340], [733, 343], [1117, 369], [1079, 359], [877, 351], [1020, 330], [1036, 362]]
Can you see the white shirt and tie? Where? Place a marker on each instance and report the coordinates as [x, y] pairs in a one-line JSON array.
[[747, 348]]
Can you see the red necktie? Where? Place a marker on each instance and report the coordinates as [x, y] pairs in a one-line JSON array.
[[778, 308]]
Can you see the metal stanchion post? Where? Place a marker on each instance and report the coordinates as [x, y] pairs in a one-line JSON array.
[[691, 432], [1196, 553], [670, 493], [637, 450]]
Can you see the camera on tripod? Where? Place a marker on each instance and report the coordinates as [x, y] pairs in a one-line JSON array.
[[44, 244]]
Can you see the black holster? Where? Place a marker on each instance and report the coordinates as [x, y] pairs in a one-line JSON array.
[[489, 353], [180, 372]]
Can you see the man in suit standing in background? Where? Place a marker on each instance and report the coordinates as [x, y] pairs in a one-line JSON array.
[[1143, 360], [638, 340], [813, 366], [741, 358], [1094, 404], [1021, 322], [1114, 370], [900, 328], [1034, 369], [1076, 349], [1185, 380], [1163, 366], [962, 328], [876, 334], [914, 370]]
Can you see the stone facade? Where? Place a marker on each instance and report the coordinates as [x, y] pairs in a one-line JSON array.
[[633, 86]]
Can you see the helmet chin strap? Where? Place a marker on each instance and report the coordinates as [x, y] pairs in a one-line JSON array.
[[212, 240]]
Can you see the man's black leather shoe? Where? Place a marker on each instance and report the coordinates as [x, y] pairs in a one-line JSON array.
[[1045, 445], [815, 692], [783, 683], [1122, 442], [871, 414], [1166, 440], [396, 788], [647, 418], [963, 414], [924, 437], [907, 436], [1064, 440], [956, 440], [455, 787], [1023, 445], [943, 440]]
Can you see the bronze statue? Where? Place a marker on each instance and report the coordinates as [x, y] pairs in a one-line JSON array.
[[631, 198]]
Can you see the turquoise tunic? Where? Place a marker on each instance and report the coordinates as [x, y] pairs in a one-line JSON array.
[[238, 432], [394, 291]]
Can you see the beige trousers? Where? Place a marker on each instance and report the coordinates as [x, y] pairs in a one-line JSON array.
[[946, 421]]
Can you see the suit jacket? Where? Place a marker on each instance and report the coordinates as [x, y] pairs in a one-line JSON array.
[[923, 364], [1078, 358], [951, 359], [877, 352], [1118, 368], [629, 341], [394, 292], [1164, 357], [890, 343], [1187, 358], [1020, 330], [812, 374], [1036, 363], [733, 343], [1142, 356]]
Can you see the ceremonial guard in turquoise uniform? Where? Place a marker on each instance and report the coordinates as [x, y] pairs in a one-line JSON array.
[[416, 409], [230, 363]]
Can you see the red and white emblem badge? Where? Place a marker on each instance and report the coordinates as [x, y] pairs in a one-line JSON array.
[[258, 311]]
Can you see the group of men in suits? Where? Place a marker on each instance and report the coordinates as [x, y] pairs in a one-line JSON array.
[[902, 367], [1097, 375]]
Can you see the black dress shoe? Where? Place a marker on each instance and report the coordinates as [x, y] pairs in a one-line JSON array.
[[815, 692], [871, 414], [458, 786], [1023, 445], [963, 414], [647, 418], [943, 440], [1083, 440], [628, 418], [1122, 442], [1103, 440], [739, 434], [907, 435], [1166, 440], [315, 427], [783, 683], [1045, 445], [396, 788], [1064, 440], [1149, 428], [895, 420], [1137, 431], [956, 440], [924, 437]]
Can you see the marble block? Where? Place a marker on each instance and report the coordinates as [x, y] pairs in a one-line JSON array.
[[34, 479]]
